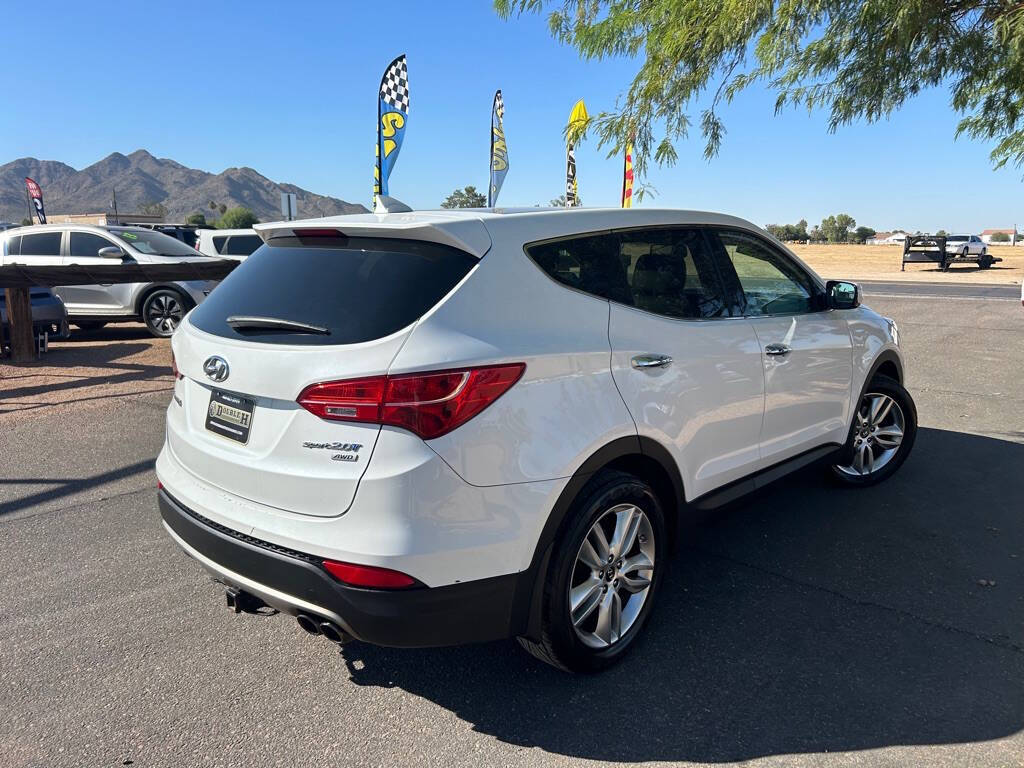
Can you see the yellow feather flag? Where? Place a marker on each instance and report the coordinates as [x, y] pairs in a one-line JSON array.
[[577, 120]]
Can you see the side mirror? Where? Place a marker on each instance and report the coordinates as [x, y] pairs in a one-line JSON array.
[[842, 294], [110, 252]]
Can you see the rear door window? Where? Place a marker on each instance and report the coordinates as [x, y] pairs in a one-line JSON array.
[[671, 272], [241, 245], [359, 289], [42, 244]]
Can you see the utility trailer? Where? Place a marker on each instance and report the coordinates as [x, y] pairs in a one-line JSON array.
[[931, 249]]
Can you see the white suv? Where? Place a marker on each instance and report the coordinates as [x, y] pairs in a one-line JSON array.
[[441, 427], [160, 305]]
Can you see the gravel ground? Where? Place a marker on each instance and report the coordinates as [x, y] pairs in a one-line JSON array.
[[86, 371]]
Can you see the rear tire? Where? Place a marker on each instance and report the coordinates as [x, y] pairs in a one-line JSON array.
[[163, 310], [881, 436], [604, 573]]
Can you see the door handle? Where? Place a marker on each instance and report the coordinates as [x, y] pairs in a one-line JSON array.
[[650, 361], [777, 349]]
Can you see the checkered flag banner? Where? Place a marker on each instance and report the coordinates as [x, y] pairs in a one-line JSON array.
[[394, 86], [392, 116], [499, 105]]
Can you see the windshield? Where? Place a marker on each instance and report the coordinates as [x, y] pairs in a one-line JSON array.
[[154, 243]]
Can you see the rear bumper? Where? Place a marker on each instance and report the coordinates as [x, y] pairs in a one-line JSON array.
[[294, 582]]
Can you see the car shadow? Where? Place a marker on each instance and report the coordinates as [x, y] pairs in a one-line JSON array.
[[808, 619]]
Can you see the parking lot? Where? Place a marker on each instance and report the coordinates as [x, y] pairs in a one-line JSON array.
[[806, 626]]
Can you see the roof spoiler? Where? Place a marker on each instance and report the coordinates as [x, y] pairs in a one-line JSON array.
[[388, 204]]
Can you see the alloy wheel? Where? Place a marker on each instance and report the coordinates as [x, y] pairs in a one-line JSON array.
[[877, 435], [612, 576], [164, 312]]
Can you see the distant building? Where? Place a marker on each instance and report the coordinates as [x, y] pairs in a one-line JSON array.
[[887, 238], [102, 219], [986, 235]]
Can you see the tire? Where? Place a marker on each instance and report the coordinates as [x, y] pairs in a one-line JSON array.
[[89, 326], [869, 457], [611, 502], [163, 310]]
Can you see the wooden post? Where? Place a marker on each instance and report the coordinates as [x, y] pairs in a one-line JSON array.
[[19, 322]]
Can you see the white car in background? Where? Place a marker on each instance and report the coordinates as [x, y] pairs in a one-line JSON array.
[[235, 244], [965, 245], [160, 305], [428, 428]]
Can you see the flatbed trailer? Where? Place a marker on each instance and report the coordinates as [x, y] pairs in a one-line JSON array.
[[931, 249]]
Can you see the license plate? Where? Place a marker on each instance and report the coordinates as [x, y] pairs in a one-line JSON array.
[[230, 416]]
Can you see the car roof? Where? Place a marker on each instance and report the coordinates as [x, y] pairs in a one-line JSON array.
[[228, 232], [470, 229]]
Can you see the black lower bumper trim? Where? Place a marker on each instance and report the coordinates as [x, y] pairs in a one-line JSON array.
[[475, 611]]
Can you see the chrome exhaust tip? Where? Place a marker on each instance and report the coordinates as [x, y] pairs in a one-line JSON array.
[[334, 633], [308, 624]]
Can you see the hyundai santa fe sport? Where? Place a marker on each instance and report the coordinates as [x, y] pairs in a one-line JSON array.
[[429, 428]]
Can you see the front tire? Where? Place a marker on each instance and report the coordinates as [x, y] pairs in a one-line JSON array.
[[604, 572], [162, 312], [881, 437]]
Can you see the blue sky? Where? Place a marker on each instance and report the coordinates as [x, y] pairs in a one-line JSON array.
[[289, 89]]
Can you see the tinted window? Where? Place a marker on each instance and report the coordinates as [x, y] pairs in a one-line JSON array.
[[671, 272], [772, 284], [218, 244], [88, 244], [358, 288], [43, 244], [590, 264], [14, 246], [242, 245]]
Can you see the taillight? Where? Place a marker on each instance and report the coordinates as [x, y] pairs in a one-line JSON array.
[[368, 575], [174, 367], [429, 404]]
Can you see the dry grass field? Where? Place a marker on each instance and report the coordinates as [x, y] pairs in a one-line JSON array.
[[882, 262]]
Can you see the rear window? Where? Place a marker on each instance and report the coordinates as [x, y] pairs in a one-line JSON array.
[[242, 245], [359, 289]]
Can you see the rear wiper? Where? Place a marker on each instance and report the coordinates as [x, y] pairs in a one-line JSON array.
[[250, 322]]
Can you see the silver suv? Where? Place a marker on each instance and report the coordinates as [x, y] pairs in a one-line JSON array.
[[161, 306]]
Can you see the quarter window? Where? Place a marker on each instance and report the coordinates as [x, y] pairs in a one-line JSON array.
[[14, 246], [218, 244], [772, 285], [590, 264], [241, 245]]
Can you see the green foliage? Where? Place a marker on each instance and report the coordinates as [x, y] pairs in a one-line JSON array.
[[465, 198], [222, 208], [213, 206], [789, 232], [861, 234], [153, 209], [855, 59], [559, 202], [1000, 237], [816, 235], [836, 229], [196, 220], [237, 218], [941, 233], [26, 222]]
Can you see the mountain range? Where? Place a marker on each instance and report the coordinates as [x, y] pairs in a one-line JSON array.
[[141, 179]]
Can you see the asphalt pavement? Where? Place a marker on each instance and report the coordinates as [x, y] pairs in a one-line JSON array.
[[805, 626], [907, 289]]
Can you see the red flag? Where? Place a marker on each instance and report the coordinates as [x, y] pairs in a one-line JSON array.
[[36, 194]]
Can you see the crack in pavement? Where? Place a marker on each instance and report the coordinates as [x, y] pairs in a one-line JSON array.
[[997, 641]]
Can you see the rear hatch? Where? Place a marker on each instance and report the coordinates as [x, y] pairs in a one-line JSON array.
[[299, 311]]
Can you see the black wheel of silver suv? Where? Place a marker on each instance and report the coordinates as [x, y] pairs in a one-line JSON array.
[[882, 435], [603, 575]]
